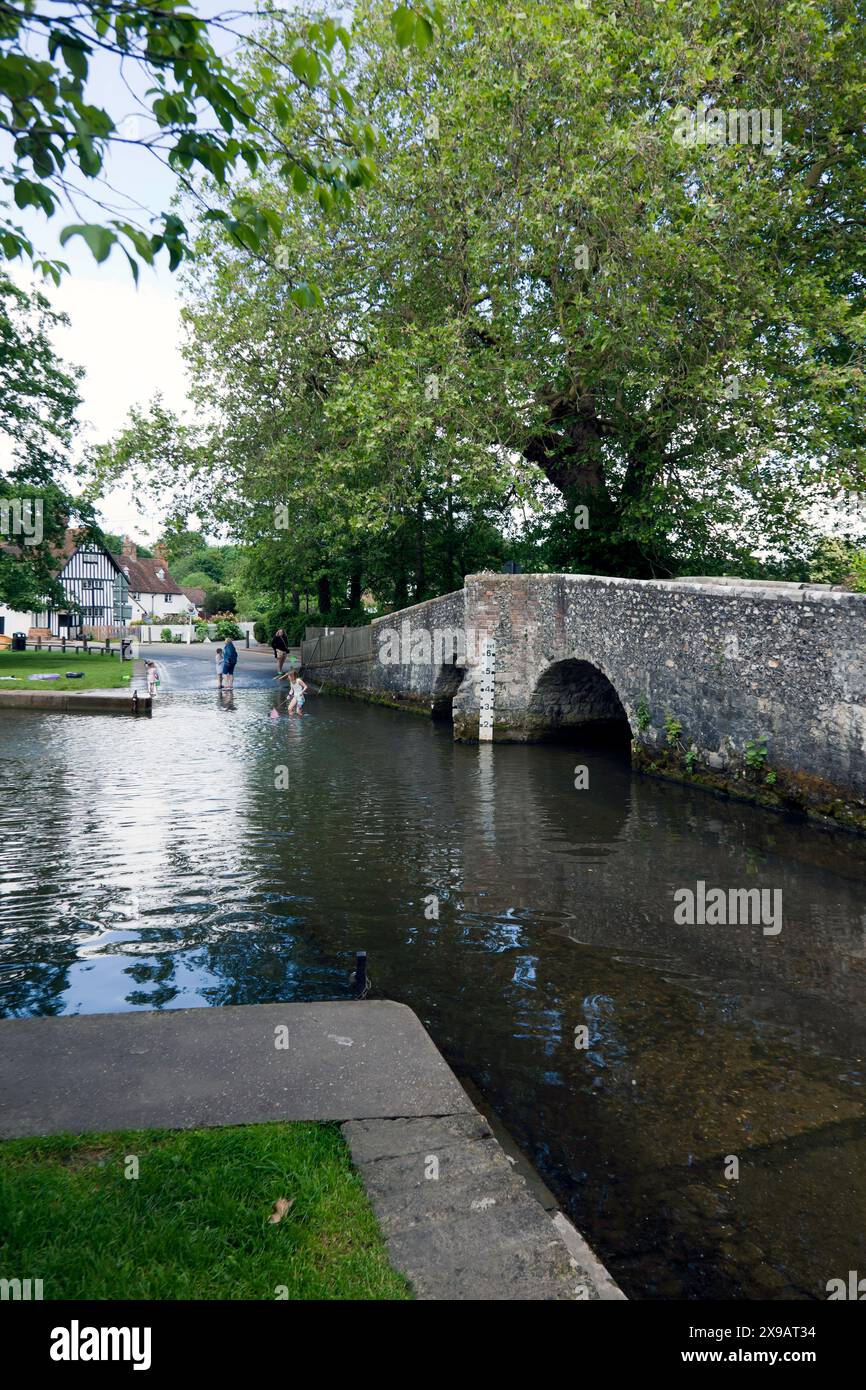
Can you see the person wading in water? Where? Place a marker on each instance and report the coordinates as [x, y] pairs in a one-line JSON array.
[[280, 645], [230, 661], [297, 687]]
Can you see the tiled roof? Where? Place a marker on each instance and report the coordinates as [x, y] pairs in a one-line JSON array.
[[143, 578], [61, 554]]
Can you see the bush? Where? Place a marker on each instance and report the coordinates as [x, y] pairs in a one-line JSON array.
[[202, 630], [165, 635], [226, 628], [260, 631], [219, 601], [292, 623]]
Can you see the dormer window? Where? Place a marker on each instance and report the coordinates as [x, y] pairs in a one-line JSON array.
[[160, 574], [126, 570]]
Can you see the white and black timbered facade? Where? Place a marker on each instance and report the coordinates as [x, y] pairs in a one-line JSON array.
[[97, 593]]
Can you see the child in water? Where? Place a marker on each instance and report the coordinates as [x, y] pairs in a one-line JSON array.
[[218, 660], [297, 687]]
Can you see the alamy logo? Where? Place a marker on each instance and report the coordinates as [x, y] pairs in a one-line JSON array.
[[854, 1289], [77, 1343], [424, 646], [22, 518], [720, 907], [709, 125], [23, 1289]]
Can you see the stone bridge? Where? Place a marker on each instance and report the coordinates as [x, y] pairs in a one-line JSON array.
[[754, 688]]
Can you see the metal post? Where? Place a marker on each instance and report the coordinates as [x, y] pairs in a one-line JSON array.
[[360, 974]]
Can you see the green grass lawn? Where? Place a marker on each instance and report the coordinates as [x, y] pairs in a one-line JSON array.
[[194, 1223], [101, 672]]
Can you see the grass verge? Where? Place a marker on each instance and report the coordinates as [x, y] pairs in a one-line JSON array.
[[194, 1222], [101, 672]]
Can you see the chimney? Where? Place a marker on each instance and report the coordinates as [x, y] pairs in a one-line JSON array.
[[130, 550], [161, 554]]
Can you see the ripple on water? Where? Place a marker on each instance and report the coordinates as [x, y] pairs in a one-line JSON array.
[[158, 863]]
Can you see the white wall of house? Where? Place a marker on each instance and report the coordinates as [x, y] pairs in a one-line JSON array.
[[157, 605], [148, 633], [15, 622]]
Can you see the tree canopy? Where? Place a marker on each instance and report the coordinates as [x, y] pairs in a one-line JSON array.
[[551, 300], [198, 115], [39, 398]]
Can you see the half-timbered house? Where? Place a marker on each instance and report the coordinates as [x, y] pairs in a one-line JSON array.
[[96, 594]]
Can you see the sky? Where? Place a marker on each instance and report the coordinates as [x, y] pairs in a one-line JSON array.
[[127, 339]]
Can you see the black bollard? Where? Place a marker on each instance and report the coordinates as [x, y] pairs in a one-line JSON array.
[[360, 975]]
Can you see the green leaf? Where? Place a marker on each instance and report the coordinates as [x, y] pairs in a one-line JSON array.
[[403, 23], [99, 239], [307, 296], [75, 58], [423, 33]]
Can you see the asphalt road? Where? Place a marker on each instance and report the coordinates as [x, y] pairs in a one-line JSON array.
[[193, 667]]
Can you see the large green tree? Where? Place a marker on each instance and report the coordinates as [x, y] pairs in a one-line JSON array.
[[38, 402], [195, 113], [554, 298], [672, 333]]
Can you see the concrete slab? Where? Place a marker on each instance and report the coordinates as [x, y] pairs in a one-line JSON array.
[[190, 1068], [83, 702], [459, 1220]]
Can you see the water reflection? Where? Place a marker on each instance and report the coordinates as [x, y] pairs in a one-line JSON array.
[[165, 863]]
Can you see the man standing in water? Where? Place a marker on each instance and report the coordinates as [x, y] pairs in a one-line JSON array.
[[230, 661], [280, 645]]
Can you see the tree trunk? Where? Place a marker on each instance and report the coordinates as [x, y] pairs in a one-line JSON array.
[[420, 576], [324, 590], [355, 589]]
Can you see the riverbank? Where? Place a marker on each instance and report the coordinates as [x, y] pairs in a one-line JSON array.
[[459, 1222], [94, 670], [106, 686]]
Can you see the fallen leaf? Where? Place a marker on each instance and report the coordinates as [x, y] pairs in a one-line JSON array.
[[281, 1206]]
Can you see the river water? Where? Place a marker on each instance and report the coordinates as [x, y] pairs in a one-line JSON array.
[[707, 1132]]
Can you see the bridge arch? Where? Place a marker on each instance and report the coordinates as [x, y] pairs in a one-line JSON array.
[[445, 686], [576, 698]]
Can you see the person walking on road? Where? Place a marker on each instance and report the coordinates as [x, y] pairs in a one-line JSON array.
[[280, 645], [230, 661]]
